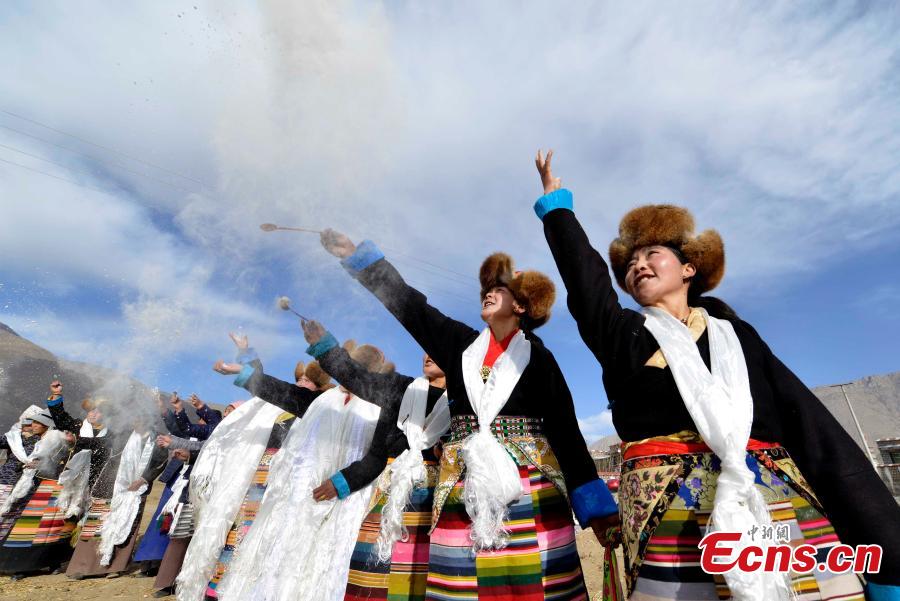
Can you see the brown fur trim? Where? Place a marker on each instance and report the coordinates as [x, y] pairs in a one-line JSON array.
[[317, 375], [388, 368], [669, 225], [496, 270], [531, 289], [299, 369], [536, 293], [89, 404], [369, 357]]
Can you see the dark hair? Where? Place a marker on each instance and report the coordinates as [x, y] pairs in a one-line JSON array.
[[716, 307]]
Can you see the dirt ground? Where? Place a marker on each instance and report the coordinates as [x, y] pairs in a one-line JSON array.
[[60, 588]]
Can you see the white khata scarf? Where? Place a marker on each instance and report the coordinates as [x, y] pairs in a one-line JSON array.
[[719, 402], [45, 453], [124, 506], [299, 548], [75, 498], [218, 483], [408, 469], [14, 436], [492, 477], [87, 430]]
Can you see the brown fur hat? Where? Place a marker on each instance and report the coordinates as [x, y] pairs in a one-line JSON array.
[[531, 289], [91, 403], [672, 226], [369, 356], [315, 373]]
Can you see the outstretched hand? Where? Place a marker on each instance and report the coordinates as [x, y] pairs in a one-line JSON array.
[[550, 183], [337, 243], [227, 369], [163, 441], [313, 331], [196, 402]]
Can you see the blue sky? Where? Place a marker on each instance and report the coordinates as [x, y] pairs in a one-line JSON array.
[[165, 133]]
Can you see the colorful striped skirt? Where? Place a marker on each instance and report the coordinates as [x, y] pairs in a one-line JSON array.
[[86, 558], [243, 521], [9, 518], [666, 501], [541, 561], [39, 537], [404, 577]]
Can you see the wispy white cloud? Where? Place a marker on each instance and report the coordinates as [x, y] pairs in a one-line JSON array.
[[596, 426]]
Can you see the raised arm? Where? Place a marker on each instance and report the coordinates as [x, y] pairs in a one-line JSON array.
[[56, 406], [375, 388], [438, 334], [592, 300]]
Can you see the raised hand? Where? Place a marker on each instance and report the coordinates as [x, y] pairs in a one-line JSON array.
[[312, 331], [550, 183], [163, 410], [163, 441], [337, 243], [55, 390], [176, 403], [227, 369], [196, 402], [240, 341]]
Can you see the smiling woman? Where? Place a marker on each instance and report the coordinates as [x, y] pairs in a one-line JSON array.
[[718, 432]]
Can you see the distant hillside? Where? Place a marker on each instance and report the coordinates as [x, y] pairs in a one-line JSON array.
[[26, 370]]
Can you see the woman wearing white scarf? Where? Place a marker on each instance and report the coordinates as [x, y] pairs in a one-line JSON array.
[[109, 528], [28, 546], [501, 519], [391, 552], [18, 443], [709, 416]]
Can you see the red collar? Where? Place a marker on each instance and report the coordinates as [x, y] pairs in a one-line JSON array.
[[496, 348]]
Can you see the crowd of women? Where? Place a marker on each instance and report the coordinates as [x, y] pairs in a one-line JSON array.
[[466, 481]]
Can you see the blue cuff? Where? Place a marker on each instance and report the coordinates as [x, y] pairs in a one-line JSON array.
[[55, 402], [366, 254], [325, 344], [244, 376], [558, 199], [340, 484], [592, 500], [246, 356], [882, 592]]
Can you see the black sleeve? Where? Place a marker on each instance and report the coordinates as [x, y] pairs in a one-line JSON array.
[[172, 425], [439, 335], [563, 433], [4, 444], [592, 300], [360, 473], [158, 459], [290, 397], [855, 498], [378, 389], [61, 417]]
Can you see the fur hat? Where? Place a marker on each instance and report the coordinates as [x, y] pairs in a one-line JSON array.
[[531, 289], [314, 372], [369, 357], [672, 226], [89, 404]]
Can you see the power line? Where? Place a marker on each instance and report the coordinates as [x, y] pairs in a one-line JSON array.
[[89, 156], [468, 278], [63, 179], [102, 147]]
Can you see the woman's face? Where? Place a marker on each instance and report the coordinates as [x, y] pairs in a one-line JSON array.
[[26, 429], [38, 428], [655, 272], [94, 417], [430, 368], [305, 382], [499, 304], [228, 410]]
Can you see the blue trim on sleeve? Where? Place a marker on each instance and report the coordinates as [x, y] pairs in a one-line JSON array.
[[325, 344], [882, 592], [366, 254], [558, 199], [246, 356], [592, 500], [340, 484], [55, 402], [244, 376]]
